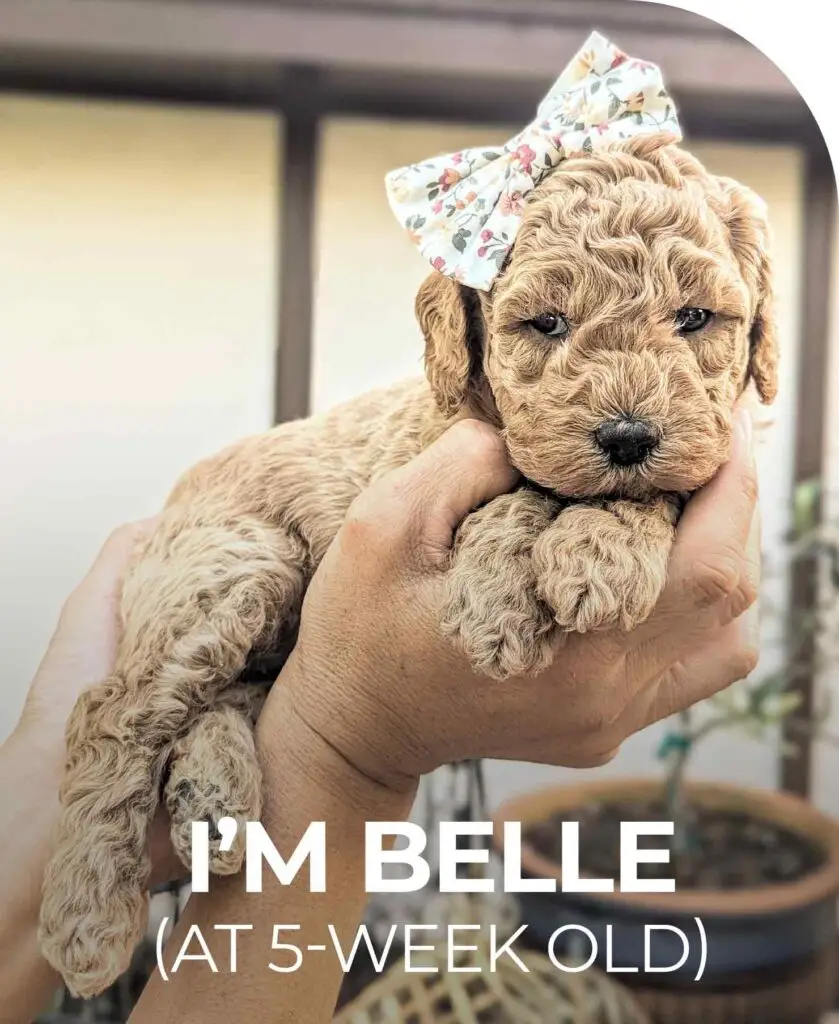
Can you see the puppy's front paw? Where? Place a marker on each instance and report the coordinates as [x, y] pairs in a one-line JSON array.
[[603, 567], [492, 611], [502, 633]]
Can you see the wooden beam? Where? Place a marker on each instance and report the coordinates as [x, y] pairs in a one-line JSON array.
[[819, 218], [292, 378], [606, 14], [429, 42]]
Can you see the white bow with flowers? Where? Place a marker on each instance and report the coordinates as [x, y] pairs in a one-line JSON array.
[[462, 210]]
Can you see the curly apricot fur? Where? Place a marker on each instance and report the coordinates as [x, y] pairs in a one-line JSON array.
[[616, 241]]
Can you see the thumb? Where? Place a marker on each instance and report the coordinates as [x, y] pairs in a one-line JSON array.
[[464, 468]]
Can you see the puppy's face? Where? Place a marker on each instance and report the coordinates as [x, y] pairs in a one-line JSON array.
[[632, 312]]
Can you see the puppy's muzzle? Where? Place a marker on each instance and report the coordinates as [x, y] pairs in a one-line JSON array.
[[627, 441]]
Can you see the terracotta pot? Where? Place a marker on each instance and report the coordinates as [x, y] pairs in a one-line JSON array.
[[757, 929]]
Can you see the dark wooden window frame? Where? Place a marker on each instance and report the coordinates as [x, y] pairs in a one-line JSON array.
[[307, 60]]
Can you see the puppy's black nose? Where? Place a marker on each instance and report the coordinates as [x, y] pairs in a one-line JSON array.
[[626, 441]]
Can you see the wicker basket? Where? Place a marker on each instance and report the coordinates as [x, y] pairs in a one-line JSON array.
[[478, 992]]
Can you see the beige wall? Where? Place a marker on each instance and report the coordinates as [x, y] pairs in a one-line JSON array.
[[365, 335], [137, 324], [137, 297]]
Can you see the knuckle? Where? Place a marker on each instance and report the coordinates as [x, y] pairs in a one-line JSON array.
[[715, 580], [595, 721], [743, 597], [366, 508], [750, 485], [743, 662], [127, 533], [376, 520], [596, 759], [480, 439]]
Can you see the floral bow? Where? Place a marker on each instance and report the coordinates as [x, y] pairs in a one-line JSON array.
[[462, 211]]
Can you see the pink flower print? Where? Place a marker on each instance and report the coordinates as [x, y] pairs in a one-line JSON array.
[[619, 59], [457, 158], [438, 263], [486, 235], [511, 203], [437, 207], [471, 197], [525, 156], [482, 251], [448, 178]]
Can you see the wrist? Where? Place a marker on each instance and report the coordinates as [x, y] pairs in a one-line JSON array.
[[306, 775]]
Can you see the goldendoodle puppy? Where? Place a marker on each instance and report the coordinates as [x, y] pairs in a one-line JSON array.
[[631, 313]]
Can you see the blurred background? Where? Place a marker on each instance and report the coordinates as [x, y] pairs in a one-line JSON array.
[[195, 244]]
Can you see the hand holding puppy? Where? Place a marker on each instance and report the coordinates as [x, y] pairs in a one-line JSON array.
[[372, 677]]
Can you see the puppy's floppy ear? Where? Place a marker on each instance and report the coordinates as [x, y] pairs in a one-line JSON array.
[[748, 226], [450, 319], [763, 340]]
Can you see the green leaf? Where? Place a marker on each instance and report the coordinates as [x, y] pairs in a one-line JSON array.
[[434, 193], [579, 126], [614, 106], [587, 146], [459, 240], [595, 86], [490, 154], [419, 221], [806, 505]]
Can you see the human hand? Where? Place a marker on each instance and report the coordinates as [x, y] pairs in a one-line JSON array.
[[372, 677], [80, 654]]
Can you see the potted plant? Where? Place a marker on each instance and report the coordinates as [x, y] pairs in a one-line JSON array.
[[758, 868]]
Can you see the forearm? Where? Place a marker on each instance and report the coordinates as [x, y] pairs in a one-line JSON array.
[[305, 781], [30, 770]]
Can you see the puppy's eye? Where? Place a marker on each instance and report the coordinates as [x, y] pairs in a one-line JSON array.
[[691, 319], [552, 325]]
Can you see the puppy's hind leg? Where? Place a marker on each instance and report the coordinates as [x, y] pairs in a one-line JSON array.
[[214, 773], [203, 596]]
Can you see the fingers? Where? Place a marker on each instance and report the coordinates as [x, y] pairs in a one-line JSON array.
[[714, 570], [729, 656], [105, 575], [426, 499], [83, 647], [732, 655]]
